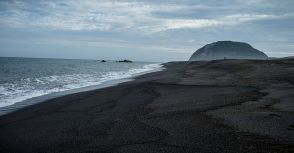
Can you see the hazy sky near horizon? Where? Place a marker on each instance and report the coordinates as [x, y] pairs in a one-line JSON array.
[[145, 30]]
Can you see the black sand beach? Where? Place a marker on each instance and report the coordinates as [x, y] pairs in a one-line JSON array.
[[207, 107]]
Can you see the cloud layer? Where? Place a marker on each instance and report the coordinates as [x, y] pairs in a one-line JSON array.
[[123, 15], [152, 19]]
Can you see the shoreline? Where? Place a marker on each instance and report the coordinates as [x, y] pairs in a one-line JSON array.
[[43, 98], [208, 106]]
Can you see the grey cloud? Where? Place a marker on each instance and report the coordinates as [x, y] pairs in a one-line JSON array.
[[128, 15], [187, 24]]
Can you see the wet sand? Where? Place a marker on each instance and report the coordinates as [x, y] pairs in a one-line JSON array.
[[206, 107]]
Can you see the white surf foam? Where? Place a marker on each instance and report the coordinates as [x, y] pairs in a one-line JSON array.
[[34, 87]]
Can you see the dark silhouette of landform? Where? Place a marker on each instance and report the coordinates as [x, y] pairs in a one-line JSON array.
[[125, 61], [227, 50]]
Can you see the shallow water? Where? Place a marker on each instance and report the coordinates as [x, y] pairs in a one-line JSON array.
[[25, 78]]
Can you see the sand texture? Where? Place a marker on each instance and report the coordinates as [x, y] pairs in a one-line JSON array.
[[223, 106]]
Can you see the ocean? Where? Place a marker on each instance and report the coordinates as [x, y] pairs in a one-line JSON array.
[[22, 79]]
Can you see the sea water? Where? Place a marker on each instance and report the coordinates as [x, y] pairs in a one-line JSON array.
[[24, 78]]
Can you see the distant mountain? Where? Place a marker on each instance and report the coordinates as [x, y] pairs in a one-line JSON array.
[[228, 50], [289, 57]]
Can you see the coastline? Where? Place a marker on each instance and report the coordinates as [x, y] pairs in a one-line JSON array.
[[216, 106], [42, 98]]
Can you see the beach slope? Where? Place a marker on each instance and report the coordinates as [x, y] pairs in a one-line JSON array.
[[206, 106]]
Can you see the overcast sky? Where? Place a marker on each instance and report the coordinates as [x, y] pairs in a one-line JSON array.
[[147, 30]]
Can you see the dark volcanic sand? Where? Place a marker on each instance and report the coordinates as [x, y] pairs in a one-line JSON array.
[[206, 107]]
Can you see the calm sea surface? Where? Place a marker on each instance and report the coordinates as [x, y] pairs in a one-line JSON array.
[[25, 78]]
